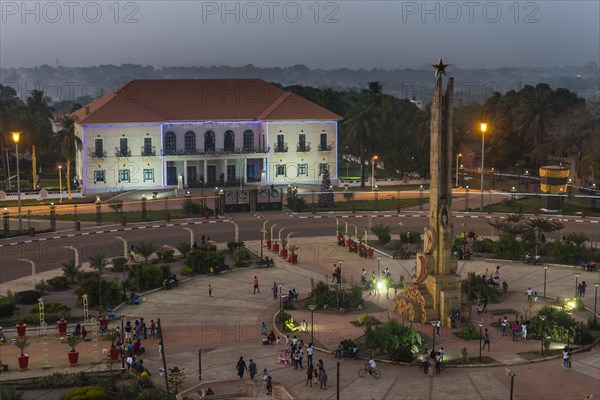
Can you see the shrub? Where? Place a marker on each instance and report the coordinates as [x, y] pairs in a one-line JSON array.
[[483, 246], [468, 332], [7, 307], [52, 308], [85, 393], [186, 271], [234, 245], [394, 245], [557, 324], [476, 288], [240, 255], [463, 354], [367, 319], [61, 379], [593, 323], [145, 277], [393, 338], [118, 264], [508, 247], [204, 257], [58, 283], [409, 237], [324, 295], [41, 286], [382, 232], [165, 255], [581, 333], [191, 207], [28, 297], [184, 248]]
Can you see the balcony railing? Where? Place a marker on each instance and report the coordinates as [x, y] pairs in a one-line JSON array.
[[119, 152], [96, 153], [303, 147], [281, 148], [325, 147], [212, 152], [148, 151]]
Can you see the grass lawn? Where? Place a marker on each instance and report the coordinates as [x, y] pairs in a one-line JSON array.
[[388, 188], [29, 203], [533, 355], [368, 205], [132, 216], [531, 204]]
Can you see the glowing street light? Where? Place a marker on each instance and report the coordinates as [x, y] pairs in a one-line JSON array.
[[16, 136], [483, 130], [60, 182], [373, 172], [457, 157]]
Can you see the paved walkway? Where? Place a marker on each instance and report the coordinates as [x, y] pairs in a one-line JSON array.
[[227, 325]]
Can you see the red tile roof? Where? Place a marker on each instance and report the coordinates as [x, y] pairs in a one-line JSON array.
[[200, 100]]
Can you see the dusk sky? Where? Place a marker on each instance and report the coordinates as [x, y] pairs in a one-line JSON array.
[[352, 34]]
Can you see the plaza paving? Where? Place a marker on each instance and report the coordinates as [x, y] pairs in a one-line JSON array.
[[227, 325]]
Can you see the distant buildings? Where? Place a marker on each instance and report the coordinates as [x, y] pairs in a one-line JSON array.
[[169, 133]]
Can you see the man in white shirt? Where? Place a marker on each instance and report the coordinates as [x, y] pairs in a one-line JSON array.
[[504, 325], [371, 365]]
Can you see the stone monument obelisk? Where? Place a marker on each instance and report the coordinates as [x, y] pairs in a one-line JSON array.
[[435, 290]]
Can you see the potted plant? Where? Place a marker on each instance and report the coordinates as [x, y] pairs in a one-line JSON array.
[[370, 252], [348, 239], [23, 358], [21, 328], [284, 250], [62, 326], [268, 235], [275, 247], [73, 341], [360, 243], [114, 351], [293, 256]]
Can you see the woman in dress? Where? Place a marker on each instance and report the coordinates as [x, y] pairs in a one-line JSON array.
[[432, 362]]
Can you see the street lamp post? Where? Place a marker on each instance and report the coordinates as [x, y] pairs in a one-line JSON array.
[[312, 322], [596, 300], [378, 261], [483, 130], [466, 198], [543, 318], [98, 211], [376, 193], [527, 180], [457, 157], [5, 219], [122, 333], [433, 325], [569, 312], [52, 217], [60, 183], [545, 271], [512, 195], [143, 208], [373, 172], [281, 297], [340, 275], [421, 198], [16, 136], [480, 325], [576, 283]]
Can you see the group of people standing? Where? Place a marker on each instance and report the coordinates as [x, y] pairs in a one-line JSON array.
[[431, 362]]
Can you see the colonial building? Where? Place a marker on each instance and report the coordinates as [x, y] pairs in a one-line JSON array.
[[167, 133]]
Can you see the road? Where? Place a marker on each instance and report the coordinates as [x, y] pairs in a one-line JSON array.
[[49, 254]]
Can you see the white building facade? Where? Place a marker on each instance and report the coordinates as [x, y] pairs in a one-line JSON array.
[[136, 142]]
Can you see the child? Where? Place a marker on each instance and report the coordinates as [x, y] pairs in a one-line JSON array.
[[535, 296], [209, 290]]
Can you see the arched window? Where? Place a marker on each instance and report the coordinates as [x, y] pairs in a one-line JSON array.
[[248, 141], [170, 143], [190, 142], [229, 142], [209, 141]]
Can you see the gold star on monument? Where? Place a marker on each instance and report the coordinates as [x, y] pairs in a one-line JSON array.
[[440, 68]]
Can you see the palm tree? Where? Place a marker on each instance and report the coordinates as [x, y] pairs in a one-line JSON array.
[[70, 145], [578, 239], [99, 263], [38, 116], [70, 270], [363, 125], [146, 250], [10, 393]]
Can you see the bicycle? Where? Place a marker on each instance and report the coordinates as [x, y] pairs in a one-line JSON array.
[[364, 371]]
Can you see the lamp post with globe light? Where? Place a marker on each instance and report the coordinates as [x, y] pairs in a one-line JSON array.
[[373, 172], [483, 127], [543, 318], [312, 307], [16, 136]]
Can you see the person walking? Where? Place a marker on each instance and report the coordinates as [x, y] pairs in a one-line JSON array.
[[486, 339], [309, 375], [241, 367], [269, 385], [209, 290], [566, 357], [323, 378], [274, 290], [255, 283], [529, 293], [504, 325], [309, 353], [252, 369], [515, 330]]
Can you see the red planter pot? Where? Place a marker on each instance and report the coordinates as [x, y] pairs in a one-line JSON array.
[[284, 253], [294, 258], [268, 243], [103, 322], [114, 354], [62, 327], [275, 248], [21, 328], [73, 357], [370, 252], [23, 362], [348, 242]]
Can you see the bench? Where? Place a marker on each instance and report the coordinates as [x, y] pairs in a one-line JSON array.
[[264, 264], [405, 254]]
